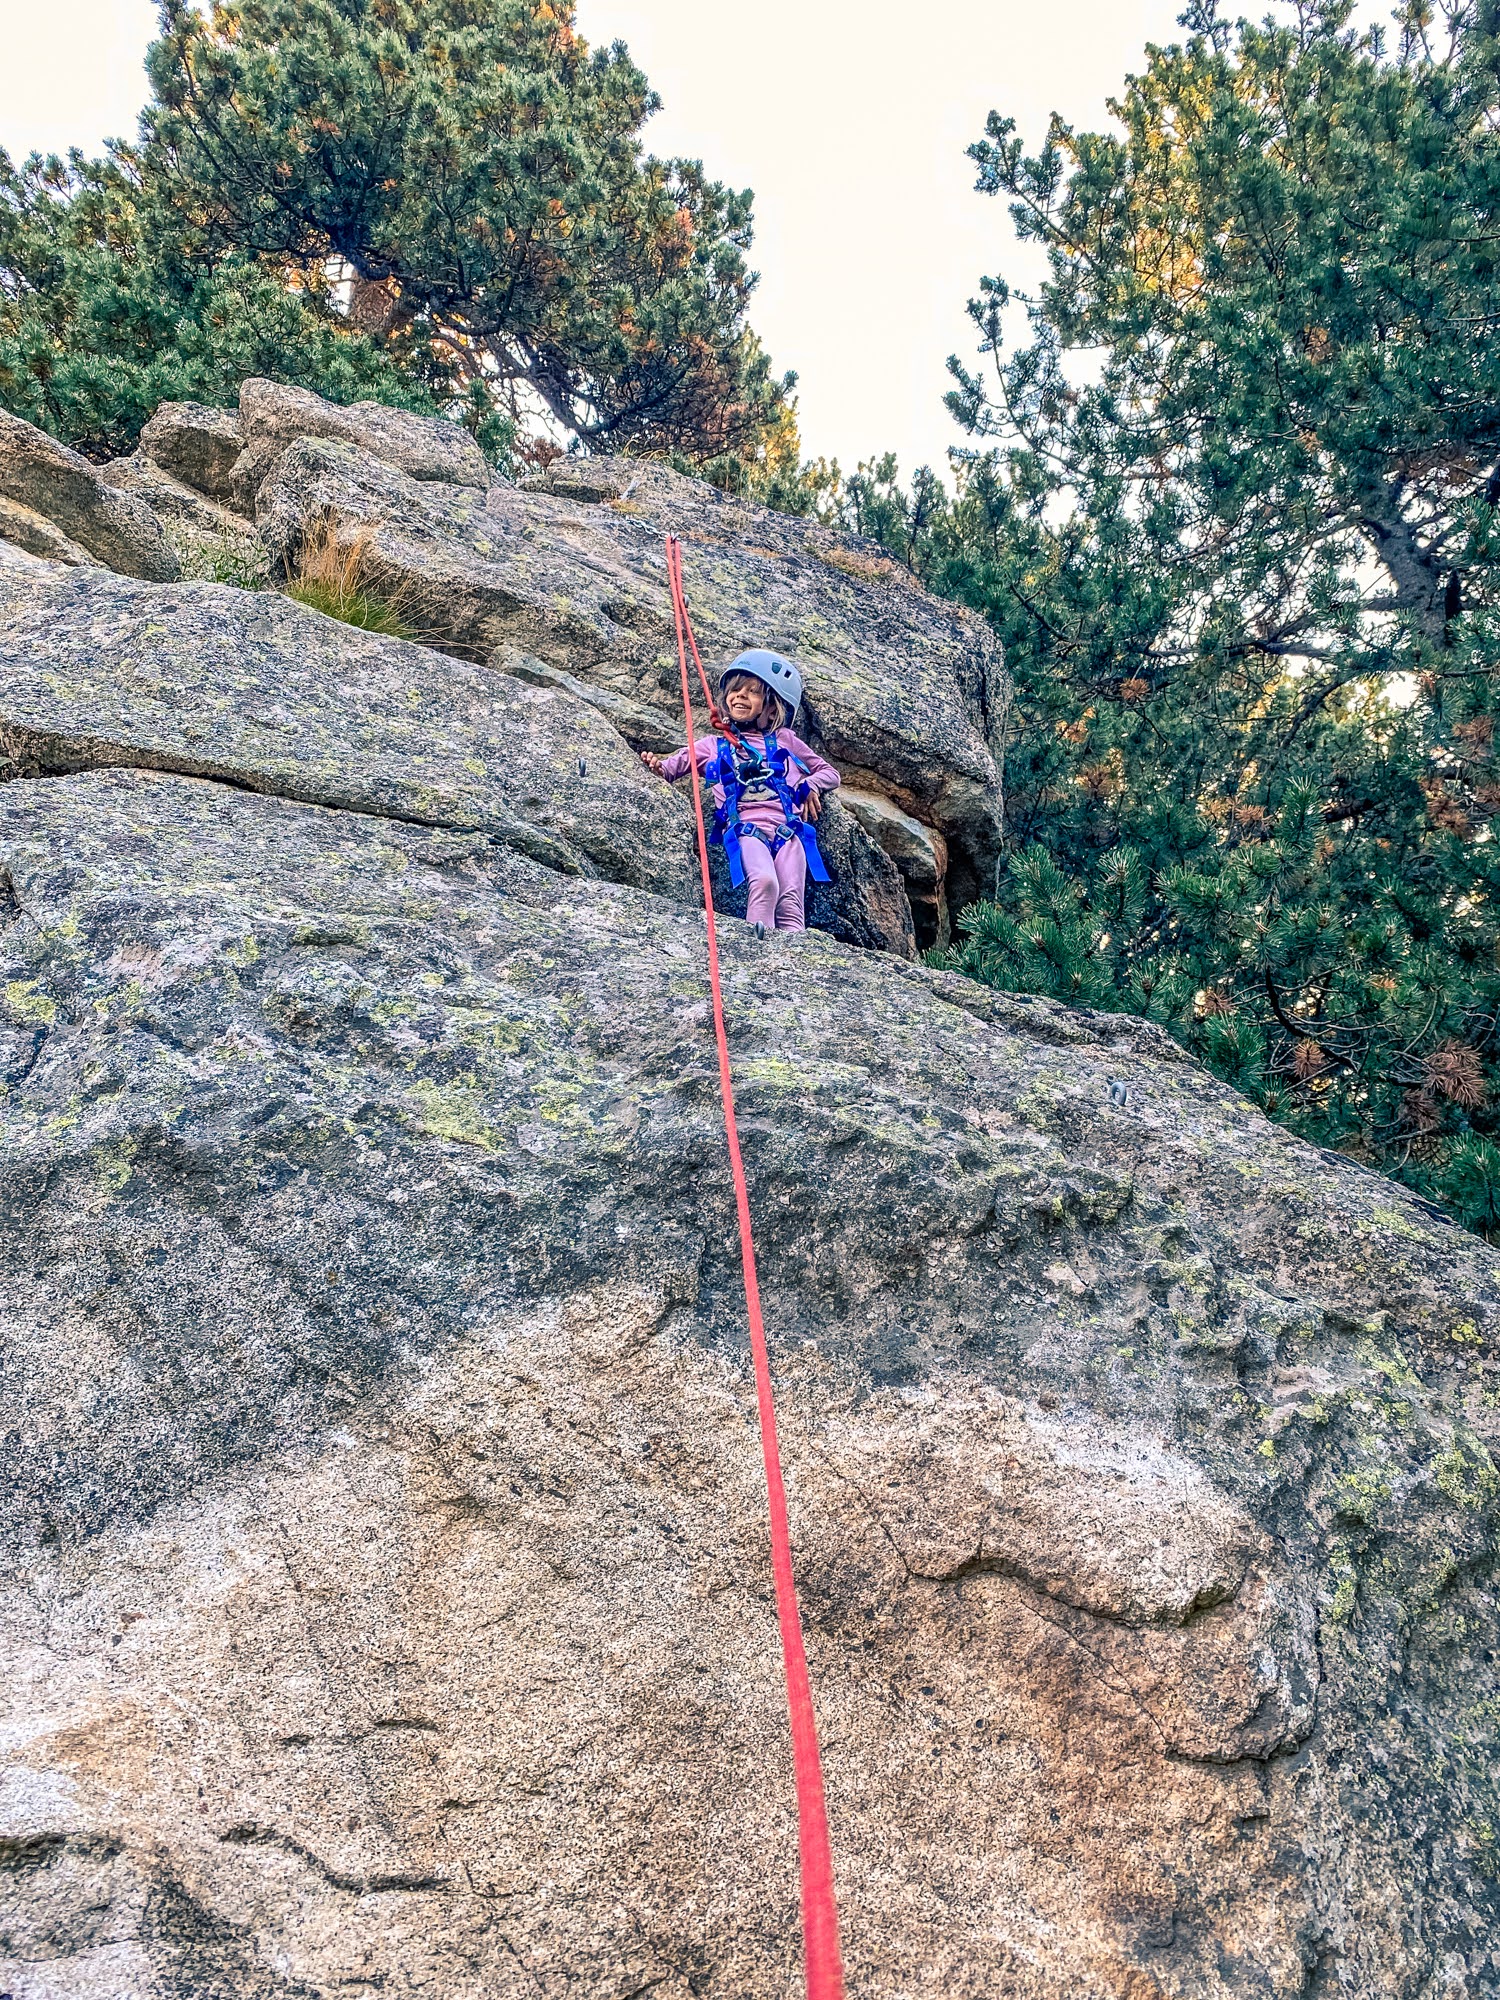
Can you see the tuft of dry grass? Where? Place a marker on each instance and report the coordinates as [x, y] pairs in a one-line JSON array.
[[868, 569], [333, 576]]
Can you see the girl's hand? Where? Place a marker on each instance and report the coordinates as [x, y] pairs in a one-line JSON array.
[[812, 805], [651, 761]]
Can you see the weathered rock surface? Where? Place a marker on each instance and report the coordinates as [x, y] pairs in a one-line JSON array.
[[643, 728], [254, 689], [196, 444], [23, 528], [14, 558], [384, 1600], [904, 692], [866, 902], [171, 499], [274, 415], [919, 852], [211, 542], [45, 478]]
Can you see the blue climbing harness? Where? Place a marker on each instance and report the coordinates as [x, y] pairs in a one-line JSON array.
[[734, 770]]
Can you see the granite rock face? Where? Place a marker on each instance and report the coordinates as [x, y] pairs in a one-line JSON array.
[[251, 688], [384, 1602], [563, 584], [173, 500], [42, 477], [905, 694], [384, 1595], [919, 852], [274, 415]]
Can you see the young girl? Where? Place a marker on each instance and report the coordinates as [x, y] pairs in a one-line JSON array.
[[768, 788]]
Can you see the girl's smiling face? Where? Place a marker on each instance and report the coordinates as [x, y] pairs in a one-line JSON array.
[[744, 699]]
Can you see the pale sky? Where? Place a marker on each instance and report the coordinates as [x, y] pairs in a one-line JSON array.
[[849, 118]]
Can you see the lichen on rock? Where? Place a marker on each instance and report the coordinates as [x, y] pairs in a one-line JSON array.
[[249, 688], [385, 1587], [384, 1594], [195, 444], [273, 415]]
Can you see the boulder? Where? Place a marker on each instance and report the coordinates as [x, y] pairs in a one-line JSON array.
[[253, 689], [45, 478], [588, 480], [195, 444], [904, 693], [174, 502], [385, 1601], [212, 543], [274, 415], [919, 852], [23, 528]]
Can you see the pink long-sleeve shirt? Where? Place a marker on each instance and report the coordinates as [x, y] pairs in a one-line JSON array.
[[758, 803]]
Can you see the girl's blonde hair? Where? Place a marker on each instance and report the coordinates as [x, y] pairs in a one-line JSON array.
[[774, 712]]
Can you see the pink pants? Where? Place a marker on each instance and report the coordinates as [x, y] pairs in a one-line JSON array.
[[776, 883]]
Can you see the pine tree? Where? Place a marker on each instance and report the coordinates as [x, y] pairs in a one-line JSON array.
[[437, 202], [477, 172], [98, 325], [1247, 566]]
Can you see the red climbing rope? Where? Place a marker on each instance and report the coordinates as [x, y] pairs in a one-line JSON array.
[[820, 1917]]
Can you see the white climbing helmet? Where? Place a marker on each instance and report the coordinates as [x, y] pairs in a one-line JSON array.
[[779, 675]]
